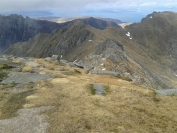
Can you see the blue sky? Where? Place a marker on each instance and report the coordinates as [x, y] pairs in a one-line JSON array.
[[124, 10]]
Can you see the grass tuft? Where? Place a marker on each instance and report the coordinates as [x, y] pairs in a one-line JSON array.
[[107, 89], [4, 66], [91, 89], [77, 71], [27, 69], [2, 75]]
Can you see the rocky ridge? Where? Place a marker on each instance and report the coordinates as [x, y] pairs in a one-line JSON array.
[[131, 52]]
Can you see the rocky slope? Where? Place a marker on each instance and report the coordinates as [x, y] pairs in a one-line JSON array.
[[144, 52], [16, 28]]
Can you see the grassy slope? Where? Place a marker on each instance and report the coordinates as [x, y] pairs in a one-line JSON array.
[[126, 108]]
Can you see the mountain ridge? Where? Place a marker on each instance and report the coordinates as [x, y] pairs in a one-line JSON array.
[[15, 28]]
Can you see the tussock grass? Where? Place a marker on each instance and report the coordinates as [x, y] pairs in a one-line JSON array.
[[27, 69], [91, 89]]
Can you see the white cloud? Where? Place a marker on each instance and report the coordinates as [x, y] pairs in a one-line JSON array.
[[70, 8], [17, 5]]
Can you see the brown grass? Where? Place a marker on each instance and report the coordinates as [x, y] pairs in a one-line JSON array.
[[11, 102], [126, 109], [27, 69]]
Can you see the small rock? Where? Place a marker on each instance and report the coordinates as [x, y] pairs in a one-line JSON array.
[[48, 59], [63, 62], [99, 89], [55, 58], [105, 72], [167, 92], [59, 69]]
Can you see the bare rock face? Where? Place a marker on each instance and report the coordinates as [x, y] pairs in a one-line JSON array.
[[16, 28]]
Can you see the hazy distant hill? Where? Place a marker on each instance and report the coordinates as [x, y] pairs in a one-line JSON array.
[[99, 23], [111, 20], [145, 51], [63, 20]]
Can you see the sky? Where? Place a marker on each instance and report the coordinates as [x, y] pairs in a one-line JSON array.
[[124, 10]]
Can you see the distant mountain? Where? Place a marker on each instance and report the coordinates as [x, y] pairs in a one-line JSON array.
[[111, 20], [16, 28], [99, 23], [63, 20]]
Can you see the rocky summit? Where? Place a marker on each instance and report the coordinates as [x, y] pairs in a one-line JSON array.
[[87, 73]]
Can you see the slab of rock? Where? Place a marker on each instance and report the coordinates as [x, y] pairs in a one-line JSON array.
[[63, 62], [78, 64], [48, 59], [99, 89], [70, 64], [104, 72], [88, 67], [166, 92], [10, 63], [27, 121], [21, 77], [55, 57], [59, 69]]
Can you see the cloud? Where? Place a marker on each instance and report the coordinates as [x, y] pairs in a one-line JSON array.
[[20, 5], [71, 8]]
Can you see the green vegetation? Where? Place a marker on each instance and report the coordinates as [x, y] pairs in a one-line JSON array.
[[4, 66], [91, 89], [11, 103], [107, 89], [2, 75]]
